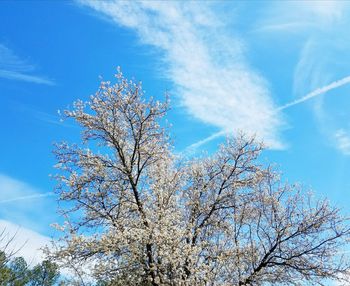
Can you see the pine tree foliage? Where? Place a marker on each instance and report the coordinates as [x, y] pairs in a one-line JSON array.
[[15, 271]]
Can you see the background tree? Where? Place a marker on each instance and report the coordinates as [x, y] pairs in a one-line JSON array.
[[44, 274], [16, 272], [138, 215], [7, 249], [13, 270]]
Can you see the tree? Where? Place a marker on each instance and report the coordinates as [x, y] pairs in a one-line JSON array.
[[16, 272], [44, 274], [13, 270], [139, 215], [7, 251]]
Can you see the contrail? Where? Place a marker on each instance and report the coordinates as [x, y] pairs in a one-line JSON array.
[[205, 140], [316, 92], [30, 197], [310, 95]]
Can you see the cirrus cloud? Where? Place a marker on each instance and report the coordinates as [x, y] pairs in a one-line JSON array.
[[206, 62], [14, 68]]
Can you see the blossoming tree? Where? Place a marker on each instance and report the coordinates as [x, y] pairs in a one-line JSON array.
[[137, 215]]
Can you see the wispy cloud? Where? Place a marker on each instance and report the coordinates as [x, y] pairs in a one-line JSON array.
[[12, 188], [208, 63], [318, 32], [26, 198], [51, 118], [342, 140], [24, 204], [291, 18], [15, 75], [205, 60], [283, 27], [323, 58], [14, 68]]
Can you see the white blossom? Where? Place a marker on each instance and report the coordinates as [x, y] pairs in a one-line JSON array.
[[136, 215]]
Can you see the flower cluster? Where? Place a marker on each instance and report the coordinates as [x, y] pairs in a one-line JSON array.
[[137, 215]]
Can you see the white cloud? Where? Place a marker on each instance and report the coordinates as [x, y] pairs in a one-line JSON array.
[[26, 243], [292, 18], [318, 31], [342, 141], [20, 241], [328, 10], [25, 212], [206, 62], [26, 198], [14, 68], [14, 190], [323, 59], [25, 204], [317, 92]]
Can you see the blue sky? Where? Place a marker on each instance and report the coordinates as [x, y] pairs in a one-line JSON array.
[[277, 70]]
